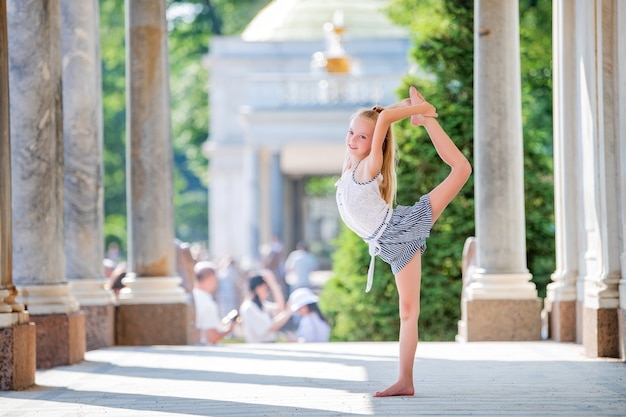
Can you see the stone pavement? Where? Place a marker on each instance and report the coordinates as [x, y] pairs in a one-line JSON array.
[[333, 379]]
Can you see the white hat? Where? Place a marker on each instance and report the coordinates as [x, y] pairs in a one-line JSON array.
[[302, 297]]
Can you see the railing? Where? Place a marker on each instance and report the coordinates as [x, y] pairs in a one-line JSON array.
[[266, 91]]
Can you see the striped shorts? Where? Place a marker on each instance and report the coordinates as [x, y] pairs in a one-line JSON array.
[[406, 233]]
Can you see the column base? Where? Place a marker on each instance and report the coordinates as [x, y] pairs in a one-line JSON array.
[[99, 326], [561, 320], [579, 322], [152, 324], [600, 332], [91, 292], [621, 319], [60, 339], [151, 290], [17, 357], [48, 299], [501, 320]]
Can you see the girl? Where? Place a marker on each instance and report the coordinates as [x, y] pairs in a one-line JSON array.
[[261, 318], [312, 326], [365, 194]]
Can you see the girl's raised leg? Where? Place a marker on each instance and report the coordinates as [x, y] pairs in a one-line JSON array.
[[416, 98], [408, 282]]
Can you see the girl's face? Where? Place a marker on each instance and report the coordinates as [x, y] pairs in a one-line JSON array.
[[263, 291], [359, 137]]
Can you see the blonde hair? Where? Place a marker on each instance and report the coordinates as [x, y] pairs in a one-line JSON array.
[[388, 169]]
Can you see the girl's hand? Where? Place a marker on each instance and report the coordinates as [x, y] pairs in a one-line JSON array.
[[418, 120]]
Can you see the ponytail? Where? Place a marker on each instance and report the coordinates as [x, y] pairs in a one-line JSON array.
[[388, 186], [388, 170]]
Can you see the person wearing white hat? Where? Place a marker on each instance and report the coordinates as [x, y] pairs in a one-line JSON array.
[[312, 326]]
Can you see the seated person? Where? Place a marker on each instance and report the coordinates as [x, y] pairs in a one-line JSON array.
[[312, 326], [207, 317], [261, 318]]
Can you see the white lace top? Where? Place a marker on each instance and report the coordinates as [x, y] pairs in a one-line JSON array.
[[364, 211], [361, 206]]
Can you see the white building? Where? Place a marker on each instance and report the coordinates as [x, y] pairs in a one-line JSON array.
[[277, 118]]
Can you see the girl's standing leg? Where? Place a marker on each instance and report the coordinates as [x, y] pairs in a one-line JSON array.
[[408, 282]]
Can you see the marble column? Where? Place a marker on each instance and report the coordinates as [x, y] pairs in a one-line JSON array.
[[83, 136], [501, 301], [153, 306], [34, 28], [252, 201], [17, 333], [227, 195], [560, 303], [621, 120], [599, 173], [277, 202]]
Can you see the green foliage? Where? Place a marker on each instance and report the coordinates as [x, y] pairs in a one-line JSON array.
[[536, 54], [355, 315], [112, 45], [443, 51], [321, 186], [190, 25]]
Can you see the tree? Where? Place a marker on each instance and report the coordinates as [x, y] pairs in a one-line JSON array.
[[536, 68], [112, 44], [443, 50]]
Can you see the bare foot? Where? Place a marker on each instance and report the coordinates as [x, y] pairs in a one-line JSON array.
[[416, 98], [397, 389]]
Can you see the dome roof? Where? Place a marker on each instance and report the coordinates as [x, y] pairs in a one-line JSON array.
[[297, 20]]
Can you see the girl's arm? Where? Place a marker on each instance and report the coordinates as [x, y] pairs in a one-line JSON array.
[[280, 320], [385, 119], [403, 103], [277, 292], [391, 115]]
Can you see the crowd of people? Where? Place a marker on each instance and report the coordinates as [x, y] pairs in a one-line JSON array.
[[276, 302]]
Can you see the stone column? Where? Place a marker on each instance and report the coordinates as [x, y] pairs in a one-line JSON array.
[[153, 306], [252, 203], [501, 301], [621, 117], [37, 180], [17, 333], [227, 194], [84, 208], [560, 303], [599, 175], [276, 204]]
